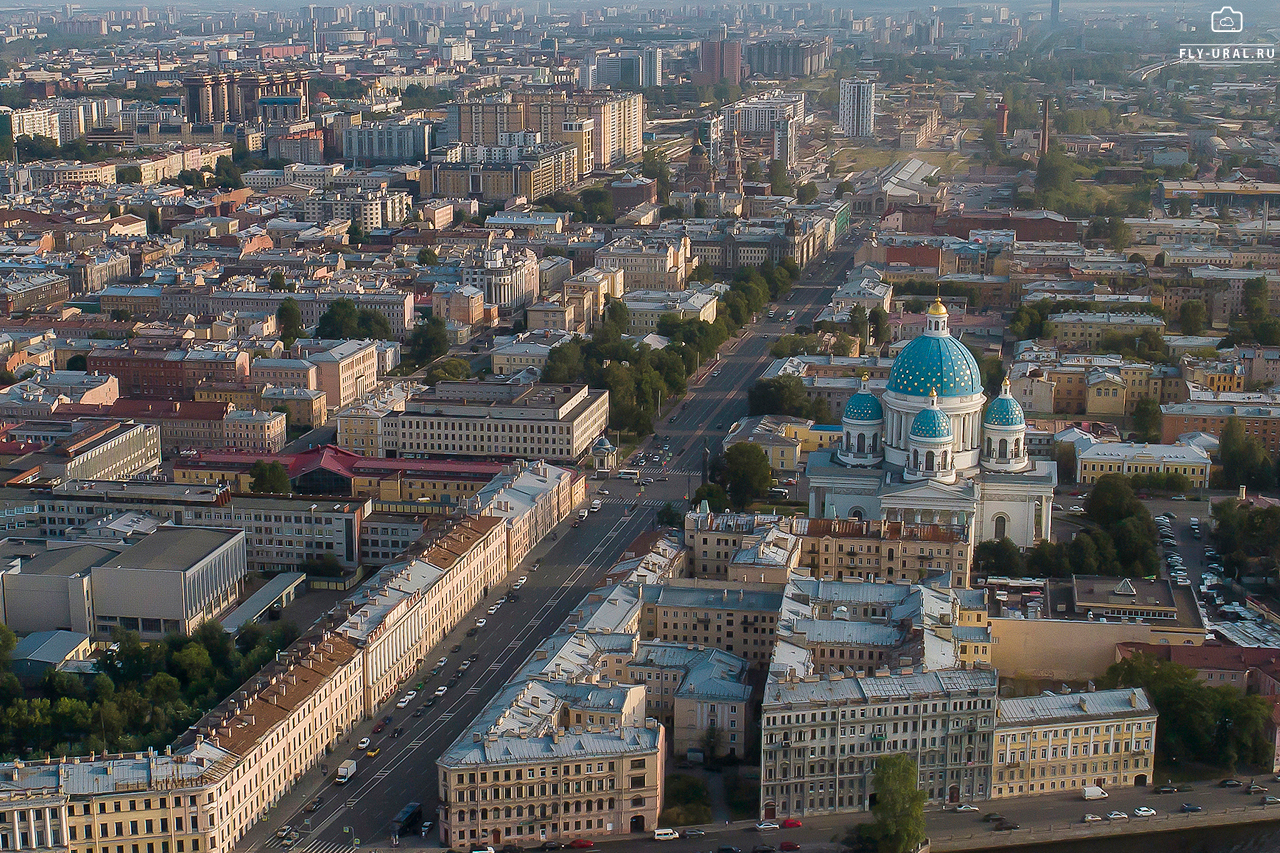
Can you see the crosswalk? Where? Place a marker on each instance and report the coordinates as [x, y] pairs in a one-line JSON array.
[[313, 846], [632, 501]]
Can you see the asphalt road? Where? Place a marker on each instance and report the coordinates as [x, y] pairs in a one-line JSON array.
[[404, 768]]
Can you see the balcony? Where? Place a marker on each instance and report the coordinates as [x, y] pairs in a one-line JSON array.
[[878, 736]]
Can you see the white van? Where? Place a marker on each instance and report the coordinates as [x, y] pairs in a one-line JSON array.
[[582, 515], [1093, 792], [595, 506], [665, 835]]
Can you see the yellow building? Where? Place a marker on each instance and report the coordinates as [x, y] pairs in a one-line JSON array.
[[1053, 743], [240, 396], [306, 407], [1128, 458], [1085, 330]]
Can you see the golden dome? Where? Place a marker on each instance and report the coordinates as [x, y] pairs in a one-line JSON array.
[[937, 308]]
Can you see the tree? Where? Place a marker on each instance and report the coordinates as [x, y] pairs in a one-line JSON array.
[[427, 257], [340, 322], [842, 188], [748, 473], [1111, 499], [279, 282], [807, 192], [654, 165], [997, 557], [715, 496], [1147, 420], [448, 370], [1119, 234], [128, 174], [1244, 460], [355, 234], [669, 516], [1064, 454], [428, 341], [289, 319], [899, 810], [269, 478], [779, 182], [78, 362], [878, 325], [1192, 317], [121, 315]]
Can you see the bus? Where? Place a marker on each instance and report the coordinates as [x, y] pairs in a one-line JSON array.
[[628, 474], [407, 820]]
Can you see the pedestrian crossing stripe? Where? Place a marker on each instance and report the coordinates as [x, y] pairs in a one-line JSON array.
[[471, 691], [382, 774], [444, 717], [632, 501], [318, 846]]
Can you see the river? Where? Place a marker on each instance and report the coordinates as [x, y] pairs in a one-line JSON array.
[[1246, 838]]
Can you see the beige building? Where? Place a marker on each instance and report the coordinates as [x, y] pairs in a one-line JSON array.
[[573, 761], [531, 499], [498, 420], [346, 371], [284, 373], [410, 605], [1053, 743], [738, 618], [590, 289], [1085, 330], [1045, 380], [649, 264], [306, 407], [252, 429], [646, 308]]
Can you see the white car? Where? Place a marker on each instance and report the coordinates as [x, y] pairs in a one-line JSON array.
[[493, 609], [1092, 818], [602, 492], [967, 807], [766, 825], [1144, 811], [1077, 508], [522, 580], [441, 690], [480, 623], [363, 744], [1117, 815], [284, 830], [403, 703], [411, 695]]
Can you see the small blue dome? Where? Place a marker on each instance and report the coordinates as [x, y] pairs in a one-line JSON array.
[[938, 363], [931, 423], [1005, 412], [864, 406]]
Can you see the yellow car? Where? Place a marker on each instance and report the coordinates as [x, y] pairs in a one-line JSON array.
[[373, 753]]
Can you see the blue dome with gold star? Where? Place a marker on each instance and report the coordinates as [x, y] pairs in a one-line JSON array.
[[931, 423], [864, 406], [1004, 411], [935, 363]]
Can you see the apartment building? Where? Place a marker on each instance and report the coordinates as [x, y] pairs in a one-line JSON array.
[[255, 430], [87, 448], [305, 407], [409, 606], [345, 370], [1043, 379], [1053, 743], [883, 551], [557, 423], [531, 499], [649, 264], [168, 374], [396, 141], [563, 760], [1085, 330], [1128, 458], [532, 171], [369, 209], [27, 291], [757, 114], [284, 373], [822, 736], [647, 307], [1261, 421], [731, 617]]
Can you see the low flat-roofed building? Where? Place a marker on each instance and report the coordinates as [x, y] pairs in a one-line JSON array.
[[1127, 458], [42, 651], [1052, 743]]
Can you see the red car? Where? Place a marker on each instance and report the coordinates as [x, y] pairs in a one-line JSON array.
[[792, 823], [581, 844], [788, 846], [379, 727]]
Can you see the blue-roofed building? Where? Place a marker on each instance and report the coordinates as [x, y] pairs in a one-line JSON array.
[[42, 651]]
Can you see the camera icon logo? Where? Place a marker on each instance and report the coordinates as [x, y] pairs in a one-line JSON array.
[[1226, 20]]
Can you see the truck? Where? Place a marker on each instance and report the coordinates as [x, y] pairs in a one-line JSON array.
[[1093, 792], [346, 770]]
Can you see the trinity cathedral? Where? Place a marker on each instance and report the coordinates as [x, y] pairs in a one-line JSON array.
[[933, 450]]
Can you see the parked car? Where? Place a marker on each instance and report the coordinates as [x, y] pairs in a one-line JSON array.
[[1271, 801], [1092, 818], [766, 826], [1117, 815], [1188, 808], [792, 823], [1005, 826], [694, 833], [966, 807], [1230, 783], [1255, 788], [581, 844], [1144, 811], [788, 846]]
